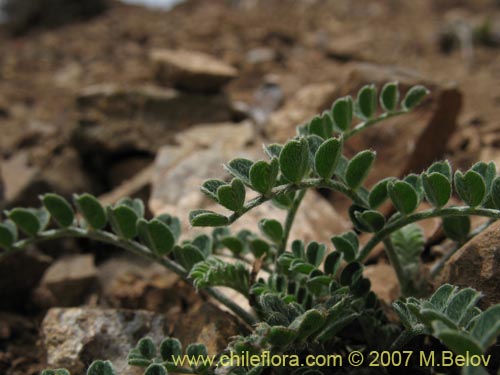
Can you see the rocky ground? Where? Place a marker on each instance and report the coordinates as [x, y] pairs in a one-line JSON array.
[[147, 103]]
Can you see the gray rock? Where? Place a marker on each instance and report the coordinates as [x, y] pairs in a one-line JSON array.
[[189, 70], [74, 337], [70, 279], [476, 265]]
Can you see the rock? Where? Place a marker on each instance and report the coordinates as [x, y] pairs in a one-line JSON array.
[[25, 181], [350, 46], [201, 151], [208, 325], [384, 281], [134, 283], [70, 279], [21, 272], [192, 71], [24, 15], [261, 55], [74, 337], [117, 121], [476, 265], [306, 103]]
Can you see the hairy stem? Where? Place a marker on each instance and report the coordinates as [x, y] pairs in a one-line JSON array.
[[369, 123], [290, 217], [435, 212], [138, 249]]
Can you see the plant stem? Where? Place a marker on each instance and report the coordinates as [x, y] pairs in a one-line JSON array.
[[369, 123], [135, 248], [290, 217], [396, 264], [435, 212]]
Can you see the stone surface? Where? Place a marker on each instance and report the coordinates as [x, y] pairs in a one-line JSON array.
[[208, 325], [201, 151], [121, 120], [476, 265], [190, 70], [21, 273], [74, 337], [134, 283], [307, 102], [384, 281], [70, 279]]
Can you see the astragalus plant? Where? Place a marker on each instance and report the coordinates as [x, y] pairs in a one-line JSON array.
[[305, 298]]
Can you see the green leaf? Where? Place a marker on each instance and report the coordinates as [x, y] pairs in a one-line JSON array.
[[209, 187], [437, 188], [206, 218], [281, 337], [470, 187], [273, 150], [101, 368], [345, 247], [414, 96], [373, 219], [298, 249], [8, 234], [307, 324], [389, 97], [215, 272], [441, 297], [156, 235], [232, 196], [460, 303], [379, 193], [487, 327], [59, 371], [203, 242], [294, 160], [313, 143], [443, 167], [408, 244], [259, 247], [327, 157], [403, 196], [332, 263], [59, 209], [170, 348], [272, 229], [342, 111], [358, 168], [315, 253], [155, 369], [233, 243], [495, 192], [366, 103], [263, 176], [196, 351], [457, 227], [26, 219], [322, 126], [135, 204], [240, 168], [91, 210], [488, 172], [350, 273], [460, 342], [147, 348], [188, 255], [123, 220]]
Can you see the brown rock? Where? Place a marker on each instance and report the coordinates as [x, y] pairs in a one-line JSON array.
[[476, 265], [21, 272], [115, 119], [306, 103], [208, 325], [70, 279], [189, 70], [384, 281], [134, 283], [74, 337]]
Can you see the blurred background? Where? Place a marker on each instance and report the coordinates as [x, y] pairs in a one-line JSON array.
[[148, 98]]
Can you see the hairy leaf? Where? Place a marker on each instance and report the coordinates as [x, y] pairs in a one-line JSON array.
[[263, 175], [389, 96], [240, 168], [403, 196], [170, 348], [457, 227], [91, 210], [327, 157], [358, 168], [366, 103], [232, 196], [101, 368], [437, 188], [8, 234], [470, 187], [414, 96], [379, 193], [342, 111], [206, 218], [215, 272], [294, 160], [59, 209]]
